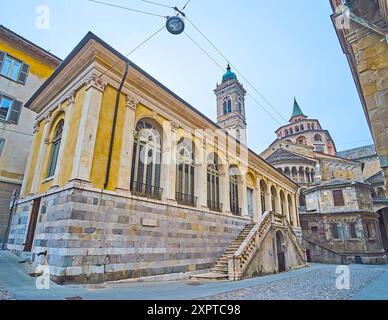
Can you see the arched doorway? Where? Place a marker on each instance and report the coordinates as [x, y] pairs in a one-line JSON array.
[[280, 248], [383, 224]]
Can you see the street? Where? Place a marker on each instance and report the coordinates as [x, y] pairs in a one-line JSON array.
[[317, 282]]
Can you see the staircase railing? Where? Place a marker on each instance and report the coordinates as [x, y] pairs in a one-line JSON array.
[[238, 263], [294, 238], [343, 257]]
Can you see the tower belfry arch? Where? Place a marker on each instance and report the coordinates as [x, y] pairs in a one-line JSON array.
[[231, 114]]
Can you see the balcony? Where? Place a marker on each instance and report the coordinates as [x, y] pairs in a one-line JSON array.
[[235, 209], [186, 199], [146, 190], [214, 206]]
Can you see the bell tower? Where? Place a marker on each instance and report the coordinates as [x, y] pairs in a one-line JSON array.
[[231, 106]]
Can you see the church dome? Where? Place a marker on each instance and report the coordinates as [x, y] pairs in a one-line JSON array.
[[229, 75]]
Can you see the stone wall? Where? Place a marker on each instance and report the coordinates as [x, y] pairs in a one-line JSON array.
[[93, 237], [317, 228], [265, 260]]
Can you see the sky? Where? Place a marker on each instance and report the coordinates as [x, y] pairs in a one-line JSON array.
[[285, 48]]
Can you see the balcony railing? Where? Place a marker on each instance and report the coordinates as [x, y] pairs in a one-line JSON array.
[[146, 190], [214, 206], [186, 199], [235, 209]]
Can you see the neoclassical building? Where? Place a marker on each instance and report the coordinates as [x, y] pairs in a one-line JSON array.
[[127, 180]]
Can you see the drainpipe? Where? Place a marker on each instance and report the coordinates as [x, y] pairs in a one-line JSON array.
[[114, 126]]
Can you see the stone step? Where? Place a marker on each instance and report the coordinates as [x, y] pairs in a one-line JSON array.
[[210, 276]]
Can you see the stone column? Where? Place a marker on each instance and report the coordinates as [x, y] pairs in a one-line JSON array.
[[65, 134], [200, 175], [168, 174], [87, 132], [29, 162], [41, 155], [126, 155], [224, 189], [279, 203], [243, 195], [256, 202], [296, 213]]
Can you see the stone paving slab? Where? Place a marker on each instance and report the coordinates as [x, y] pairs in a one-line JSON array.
[[313, 285], [5, 294]]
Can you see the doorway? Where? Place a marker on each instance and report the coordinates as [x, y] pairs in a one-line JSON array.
[[280, 246], [383, 224], [32, 225]]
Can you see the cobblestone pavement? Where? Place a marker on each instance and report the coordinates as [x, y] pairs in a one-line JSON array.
[[314, 285], [4, 294]]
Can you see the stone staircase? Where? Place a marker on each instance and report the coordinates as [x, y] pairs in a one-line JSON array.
[[221, 265], [220, 269]]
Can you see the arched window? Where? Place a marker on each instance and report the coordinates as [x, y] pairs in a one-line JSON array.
[[302, 200], [291, 131], [294, 174], [213, 184], [287, 172], [145, 178], [239, 107], [309, 126], [301, 127], [380, 193], [55, 145], [286, 132], [274, 198], [263, 192], [233, 191], [185, 173], [301, 140], [296, 129], [227, 106], [318, 138], [313, 126]]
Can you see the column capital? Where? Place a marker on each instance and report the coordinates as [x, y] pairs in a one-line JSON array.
[[71, 98], [174, 127], [36, 127], [131, 102], [96, 82], [47, 119]]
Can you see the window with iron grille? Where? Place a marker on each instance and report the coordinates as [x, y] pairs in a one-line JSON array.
[[334, 231], [2, 142], [353, 231], [338, 197]]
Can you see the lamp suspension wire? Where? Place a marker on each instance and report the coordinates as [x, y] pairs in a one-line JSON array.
[[157, 4], [219, 66], [237, 70], [133, 50], [126, 8]]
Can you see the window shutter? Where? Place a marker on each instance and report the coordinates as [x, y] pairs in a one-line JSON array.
[[2, 56], [24, 73], [15, 112]]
